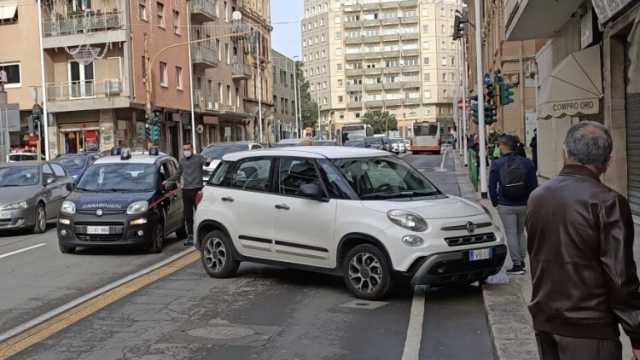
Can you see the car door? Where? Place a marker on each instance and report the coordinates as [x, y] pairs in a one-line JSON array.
[[175, 211], [246, 205], [304, 227], [50, 192], [60, 187]]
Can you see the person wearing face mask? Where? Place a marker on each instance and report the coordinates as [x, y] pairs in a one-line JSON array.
[[190, 171]]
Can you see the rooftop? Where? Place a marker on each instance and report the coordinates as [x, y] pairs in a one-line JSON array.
[[328, 152]]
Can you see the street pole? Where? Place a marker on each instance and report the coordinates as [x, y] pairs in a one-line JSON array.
[[295, 94], [319, 125], [480, 93], [464, 102], [45, 114], [193, 112], [259, 87]]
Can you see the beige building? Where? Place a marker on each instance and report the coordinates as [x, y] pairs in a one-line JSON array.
[[396, 56], [284, 96]]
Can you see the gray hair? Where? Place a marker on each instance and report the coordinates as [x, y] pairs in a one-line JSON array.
[[589, 143]]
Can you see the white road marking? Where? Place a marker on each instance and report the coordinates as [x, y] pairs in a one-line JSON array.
[[2, 256], [414, 332]]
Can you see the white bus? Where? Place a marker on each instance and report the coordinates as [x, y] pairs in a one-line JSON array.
[[427, 137], [354, 132]]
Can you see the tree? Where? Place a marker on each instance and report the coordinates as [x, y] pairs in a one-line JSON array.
[[308, 106], [380, 121]]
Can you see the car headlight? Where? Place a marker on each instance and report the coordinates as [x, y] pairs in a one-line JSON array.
[[68, 207], [408, 220], [15, 206], [138, 207]]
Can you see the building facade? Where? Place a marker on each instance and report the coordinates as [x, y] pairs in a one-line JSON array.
[[284, 96], [396, 56]]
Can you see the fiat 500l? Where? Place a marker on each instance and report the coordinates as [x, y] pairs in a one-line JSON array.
[[359, 213]]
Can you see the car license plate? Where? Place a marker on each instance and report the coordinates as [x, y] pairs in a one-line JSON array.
[[98, 230], [480, 254]]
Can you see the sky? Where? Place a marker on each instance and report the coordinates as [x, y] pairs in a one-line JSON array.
[[286, 37]]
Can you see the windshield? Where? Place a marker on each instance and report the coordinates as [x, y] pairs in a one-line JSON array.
[[119, 177], [425, 129], [19, 176], [218, 151], [384, 178], [72, 163]]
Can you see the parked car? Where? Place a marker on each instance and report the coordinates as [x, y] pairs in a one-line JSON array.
[[355, 143], [76, 164], [407, 144], [126, 200], [31, 193], [397, 146], [22, 156], [214, 154], [378, 143], [360, 213]]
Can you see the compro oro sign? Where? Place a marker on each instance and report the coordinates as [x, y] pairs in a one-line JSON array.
[[574, 87]]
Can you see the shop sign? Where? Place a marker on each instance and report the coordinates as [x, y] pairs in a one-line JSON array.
[[571, 108], [607, 9], [210, 120]]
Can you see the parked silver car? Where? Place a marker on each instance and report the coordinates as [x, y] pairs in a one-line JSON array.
[[31, 193]]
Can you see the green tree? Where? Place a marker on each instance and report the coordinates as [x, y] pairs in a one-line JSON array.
[[308, 106], [380, 121]]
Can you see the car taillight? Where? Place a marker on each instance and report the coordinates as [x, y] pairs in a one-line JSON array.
[[198, 198]]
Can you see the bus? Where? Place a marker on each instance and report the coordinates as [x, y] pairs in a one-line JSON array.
[[427, 137], [354, 132]]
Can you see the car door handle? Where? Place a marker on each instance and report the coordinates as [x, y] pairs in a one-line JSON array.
[[227, 199], [283, 207]]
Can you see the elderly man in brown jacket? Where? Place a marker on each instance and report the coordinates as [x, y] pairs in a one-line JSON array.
[[585, 279]]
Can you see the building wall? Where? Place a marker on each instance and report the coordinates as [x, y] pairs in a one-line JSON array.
[[284, 95]]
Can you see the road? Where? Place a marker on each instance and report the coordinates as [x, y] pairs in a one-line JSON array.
[[264, 313]]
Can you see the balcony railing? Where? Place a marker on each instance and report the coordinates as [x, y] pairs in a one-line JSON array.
[[204, 55], [241, 71], [203, 10], [87, 89], [82, 24]]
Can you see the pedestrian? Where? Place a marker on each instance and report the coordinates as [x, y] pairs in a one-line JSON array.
[[519, 146], [190, 170], [511, 180], [534, 148], [584, 276]]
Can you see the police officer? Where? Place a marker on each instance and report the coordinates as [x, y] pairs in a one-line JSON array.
[[190, 170]]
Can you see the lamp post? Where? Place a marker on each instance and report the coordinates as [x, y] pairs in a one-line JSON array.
[[296, 94], [480, 93]]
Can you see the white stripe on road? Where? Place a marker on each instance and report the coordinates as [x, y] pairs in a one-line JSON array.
[[2, 256], [414, 332]]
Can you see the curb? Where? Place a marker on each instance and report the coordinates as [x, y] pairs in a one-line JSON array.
[[505, 305]]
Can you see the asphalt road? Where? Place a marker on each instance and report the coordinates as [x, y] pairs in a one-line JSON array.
[[264, 313]]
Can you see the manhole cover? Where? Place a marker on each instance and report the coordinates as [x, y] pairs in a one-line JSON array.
[[221, 332], [363, 304]]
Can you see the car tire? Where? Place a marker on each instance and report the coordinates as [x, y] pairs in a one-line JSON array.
[[217, 257], [367, 272], [66, 249], [157, 240], [40, 219]]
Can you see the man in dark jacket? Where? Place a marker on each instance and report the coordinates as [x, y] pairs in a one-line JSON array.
[[190, 170], [585, 280], [511, 179]]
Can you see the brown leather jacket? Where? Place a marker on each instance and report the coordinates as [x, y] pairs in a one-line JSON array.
[[585, 280]]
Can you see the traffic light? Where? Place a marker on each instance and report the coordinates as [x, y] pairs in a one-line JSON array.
[[490, 114], [458, 27], [506, 94], [155, 133], [474, 108]]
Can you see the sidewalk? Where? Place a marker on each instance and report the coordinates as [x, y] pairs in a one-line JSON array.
[[506, 304]]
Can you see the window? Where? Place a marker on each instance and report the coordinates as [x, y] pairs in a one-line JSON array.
[[426, 61], [294, 173], [142, 10], [160, 10], [164, 77], [340, 99], [58, 170], [46, 172], [340, 83], [176, 22], [338, 35], [339, 67], [13, 74], [253, 174], [179, 78]]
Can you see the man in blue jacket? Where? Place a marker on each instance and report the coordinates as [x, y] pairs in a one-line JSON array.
[[511, 181]]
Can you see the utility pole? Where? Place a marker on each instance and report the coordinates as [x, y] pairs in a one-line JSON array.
[[43, 79], [259, 87], [464, 101], [480, 93], [319, 124], [295, 93], [147, 80], [193, 112]]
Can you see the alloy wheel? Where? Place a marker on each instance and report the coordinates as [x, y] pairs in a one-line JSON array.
[[365, 272], [215, 254]]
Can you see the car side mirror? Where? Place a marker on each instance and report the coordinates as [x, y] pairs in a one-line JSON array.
[[312, 191]]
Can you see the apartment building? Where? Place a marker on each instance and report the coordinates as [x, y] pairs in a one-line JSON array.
[[284, 96], [396, 56]]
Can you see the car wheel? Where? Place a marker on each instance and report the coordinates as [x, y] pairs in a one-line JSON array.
[[217, 258], [367, 272], [157, 241], [40, 225], [66, 249]]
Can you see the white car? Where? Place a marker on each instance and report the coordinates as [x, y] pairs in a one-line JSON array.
[[363, 214], [214, 153]]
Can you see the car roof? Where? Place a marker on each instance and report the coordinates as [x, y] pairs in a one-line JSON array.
[[23, 163], [317, 152], [135, 159], [231, 143]]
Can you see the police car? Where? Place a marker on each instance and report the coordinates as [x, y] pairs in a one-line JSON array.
[[123, 200]]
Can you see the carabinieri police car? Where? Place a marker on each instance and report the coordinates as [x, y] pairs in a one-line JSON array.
[[123, 200]]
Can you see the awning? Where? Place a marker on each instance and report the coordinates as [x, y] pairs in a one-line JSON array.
[[574, 87], [8, 9]]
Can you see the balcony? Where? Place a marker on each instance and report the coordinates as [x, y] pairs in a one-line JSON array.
[[372, 71], [411, 84], [204, 56], [410, 36], [203, 10], [409, 20], [353, 87], [392, 54], [241, 71], [373, 87], [354, 72], [86, 95], [410, 68], [412, 52], [394, 102], [391, 21], [374, 103], [393, 85], [412, 101], [393, 70], [408, 3], [523, 18], [90, 28], [354, 105]]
